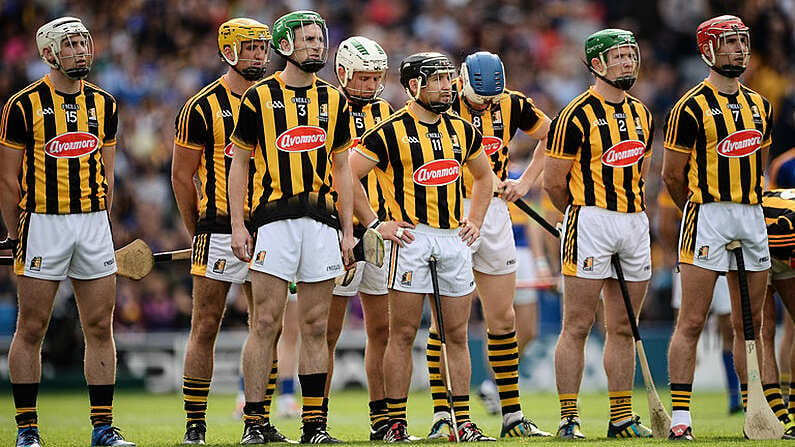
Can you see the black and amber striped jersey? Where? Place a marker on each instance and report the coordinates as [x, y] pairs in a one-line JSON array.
[[205, 123], [723, 135], [62, 136], [779, 208], [498, 125], [364, 117], [608, 143], [293, 133], [420, 165]]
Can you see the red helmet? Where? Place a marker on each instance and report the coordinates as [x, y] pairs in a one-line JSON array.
[[713, 33]]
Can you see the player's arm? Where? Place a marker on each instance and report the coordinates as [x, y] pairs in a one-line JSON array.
[[108, 159], [565, 140], [185, 162], [244, 139], [343, 185], [10, 163], [482, 190], [556, 185], [674, 174], [511, 190], [681, 130]]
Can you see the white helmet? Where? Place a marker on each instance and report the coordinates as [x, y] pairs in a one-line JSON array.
[[53, 34], [357, 54]]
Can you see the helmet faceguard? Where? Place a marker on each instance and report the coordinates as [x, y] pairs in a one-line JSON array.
[[242, 35], [599, 45], [360, 55], [716, 35], [62, 33], [284, 29], [482, 80], [427, 69]]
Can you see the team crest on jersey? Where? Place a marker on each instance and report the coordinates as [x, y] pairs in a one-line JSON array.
[[72, 145], [35, 264], [456, 145], [755, 114], [406, 278], [260, 258], [587, 264], [323, 114], [740, 144], [623, 154], [703, 252], [496, 117], [92, 117], [438, 172], [219, 266], [301, 139], [491, 144]]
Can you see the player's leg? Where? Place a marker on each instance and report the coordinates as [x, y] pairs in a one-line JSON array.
[[287, 405], [721, 308], [376, 324], [767, 353], [209, 301], [697, 285], [336, 318], [405, 313], [35, 303], [619, 358], [784, 281], [580, 299], [784, 353]]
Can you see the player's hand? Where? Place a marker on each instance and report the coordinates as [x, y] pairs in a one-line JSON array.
[[242, 243], [395, 230], [9, 244], [511, 189], [469, 232], [346, 247]]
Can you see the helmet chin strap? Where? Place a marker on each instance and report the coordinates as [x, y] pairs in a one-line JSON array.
[[309, 65], [624, 83], [76, 74], [251, 73], [729, 70], [472, 110], [434, 107]]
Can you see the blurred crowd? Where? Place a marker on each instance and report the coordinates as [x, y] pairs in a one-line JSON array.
[[154, 54]]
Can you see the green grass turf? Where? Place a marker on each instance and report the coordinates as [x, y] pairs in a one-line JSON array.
[[158, 420]]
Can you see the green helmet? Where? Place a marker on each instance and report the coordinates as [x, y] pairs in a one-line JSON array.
[[599, 43], [284, 29]]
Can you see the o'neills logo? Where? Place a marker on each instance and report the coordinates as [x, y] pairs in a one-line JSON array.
[[301, 139], [491, 144], [623, 154], [72, 145], [740, 143], [229, 151], [437, 173]]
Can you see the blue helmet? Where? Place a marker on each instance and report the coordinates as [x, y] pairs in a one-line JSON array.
[[483, 77]]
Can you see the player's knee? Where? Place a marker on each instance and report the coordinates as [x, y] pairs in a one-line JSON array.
[[31, 331], [622, 331], [314, 328], [403, 336], [264, 326], [689, 329], [204, 330], [97, 329], [378, 333], [577, 329]]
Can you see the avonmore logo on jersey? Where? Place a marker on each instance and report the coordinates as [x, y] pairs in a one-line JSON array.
[[301, 139], [72, 145], [491, 144], [740, 143], [229, 151], [437, 173], [623, 154]]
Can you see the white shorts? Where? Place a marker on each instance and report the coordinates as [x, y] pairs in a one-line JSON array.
[[300, 250], [368, 279], [408, 269], [212, 258], [525, 271], [495, 252], [721, 300], [55, 246], [591, 235], [707, 228], [780, 271]]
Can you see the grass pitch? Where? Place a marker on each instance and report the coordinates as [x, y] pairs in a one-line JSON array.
[[158, 420]]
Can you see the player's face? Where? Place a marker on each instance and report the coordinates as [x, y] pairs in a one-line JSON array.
[[252, 53], [309, 42], [621, 61], [76, 52], [439, 88], [365, 84], [733, 49]]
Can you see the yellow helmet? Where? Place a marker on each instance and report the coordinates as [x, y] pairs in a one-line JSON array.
[[235, 31]]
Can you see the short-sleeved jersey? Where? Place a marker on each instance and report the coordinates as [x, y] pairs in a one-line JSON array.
[[293, 133], [364, 117], [724, 135], [498, 125], [779, 208], [608, 143], [205, 123], [420, 165], [62, 136]]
